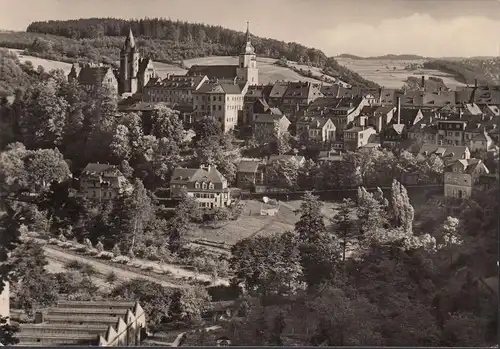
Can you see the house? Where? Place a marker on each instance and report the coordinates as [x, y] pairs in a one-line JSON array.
[[135, 71], [91, 77], [375, 116], [480, 142], [393, 135], [451, 132], [317, 128], [346, 111], [268, 126], [174, 89], [206, 184], [220, 100], [245, 71], [409, 116], [301, 94], [250, 173], [255, 101], [460, 177], [103, 182], [356, 137], [491, 110], [487, 181], [448, 153]]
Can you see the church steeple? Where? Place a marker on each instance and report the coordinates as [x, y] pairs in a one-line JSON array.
[[247, 47], [129, 41]]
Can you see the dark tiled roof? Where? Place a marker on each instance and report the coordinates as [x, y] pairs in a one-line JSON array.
[[267, 118], [453, 152], [98, 169], [214, 71], [248, 166], [261, 91], [92, 75], [183, 174], [279, 89], [177, 82], [197, 174], [273, 158], [468, 165]]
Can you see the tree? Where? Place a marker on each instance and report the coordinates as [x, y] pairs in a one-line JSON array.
[[155, 299], [189, 304], [284, 173], [8, 332], [268, 265], [345, 226], [371, 215], [402, 210], [45, 166], [167, 123], [318, 250], [451, 237], [10, 222], [179, 225], [120, 144]]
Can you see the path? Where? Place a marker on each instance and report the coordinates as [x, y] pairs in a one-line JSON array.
[[103, 268]]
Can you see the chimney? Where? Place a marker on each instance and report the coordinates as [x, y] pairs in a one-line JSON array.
[[423, 82], [460, 113], [399, 110], [475, 83]]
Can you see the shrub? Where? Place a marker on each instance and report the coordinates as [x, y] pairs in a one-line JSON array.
[[53, 241], [106, 255], [99, 247], [131, 254], [111, 277], [62, 238], [92, 251], [151, 253], [121, 259], [116, 250], [88, 243]]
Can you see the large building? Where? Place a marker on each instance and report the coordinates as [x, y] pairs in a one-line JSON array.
[[135, 71], [246, 71]]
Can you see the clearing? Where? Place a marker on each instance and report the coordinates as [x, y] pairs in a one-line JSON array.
[[45, 63], [251, 224], [268, 71], [383, 73]]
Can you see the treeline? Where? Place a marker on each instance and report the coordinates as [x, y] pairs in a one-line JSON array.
[[171, 41], [465, 72]]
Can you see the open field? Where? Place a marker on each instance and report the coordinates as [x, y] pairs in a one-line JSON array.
[[268, 72], [383, 73], [45, 63], [251, 223]]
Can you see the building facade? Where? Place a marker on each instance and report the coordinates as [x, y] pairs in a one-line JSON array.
[[103, 182], [461, 176], [205, 184]]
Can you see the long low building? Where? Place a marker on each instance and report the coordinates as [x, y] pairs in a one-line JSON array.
[[94, 323]]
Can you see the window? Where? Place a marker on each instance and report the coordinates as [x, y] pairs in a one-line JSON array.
[[220, 98], [457, 134], [220, 107], [197, 185], [204, 186]]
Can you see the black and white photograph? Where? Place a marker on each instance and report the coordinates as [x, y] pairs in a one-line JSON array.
[[260, 173]]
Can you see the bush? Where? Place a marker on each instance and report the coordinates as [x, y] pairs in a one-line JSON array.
[[116, 250], [106, 255], [62, 238], [121, 260], [91, 251], [99, 247]]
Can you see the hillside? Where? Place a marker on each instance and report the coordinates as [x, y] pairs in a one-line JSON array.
[[486, 71], [401, 57], [100, 39]]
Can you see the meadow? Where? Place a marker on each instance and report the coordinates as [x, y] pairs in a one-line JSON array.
[[268, 71], [391, 73], [45, 63]]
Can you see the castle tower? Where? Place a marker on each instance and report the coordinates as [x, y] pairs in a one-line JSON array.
[[129, 65], [247, 67]]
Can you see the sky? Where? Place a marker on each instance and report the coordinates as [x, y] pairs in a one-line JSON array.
[[433, 28]]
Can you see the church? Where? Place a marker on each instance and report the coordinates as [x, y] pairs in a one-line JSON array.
[[245, 71]]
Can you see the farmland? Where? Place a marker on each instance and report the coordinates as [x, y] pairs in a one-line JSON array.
[[383, 72], [268, 71], [45, 63]]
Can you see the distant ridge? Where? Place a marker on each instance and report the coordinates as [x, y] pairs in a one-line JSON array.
[[408, 57]]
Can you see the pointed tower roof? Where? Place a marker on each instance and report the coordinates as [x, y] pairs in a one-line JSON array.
[[129, 41], [247, 47]]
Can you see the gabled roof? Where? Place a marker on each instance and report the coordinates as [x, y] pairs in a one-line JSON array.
[[197, 175], [98, 169], [398, 128], [453, 152], [217, 88], [248, 166], [92, 75], [183, 174], [359, 129], [259, 91], [268, 118], [467, 165], [273, 158], [279, 90], [214, 71]]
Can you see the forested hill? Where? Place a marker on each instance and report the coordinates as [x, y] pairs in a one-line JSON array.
[[171, 41]]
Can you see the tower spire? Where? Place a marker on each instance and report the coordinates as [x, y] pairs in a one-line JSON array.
[[129, 41], [247, 37]]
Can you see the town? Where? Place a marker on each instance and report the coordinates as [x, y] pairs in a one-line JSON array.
[[204, 208]]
